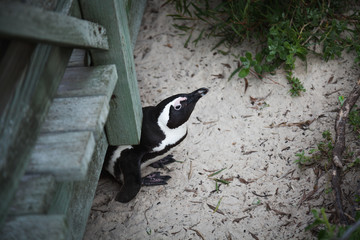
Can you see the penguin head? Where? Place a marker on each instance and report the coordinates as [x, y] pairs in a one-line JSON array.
[[176, 110]]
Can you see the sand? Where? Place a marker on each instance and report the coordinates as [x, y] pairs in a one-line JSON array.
[[229, 129]]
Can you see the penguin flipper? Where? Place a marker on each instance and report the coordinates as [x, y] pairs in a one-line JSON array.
[[164, 161], [130, 168], [154, 179]]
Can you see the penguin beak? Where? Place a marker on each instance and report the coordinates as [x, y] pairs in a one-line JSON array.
[[196, 95], [202, 91]]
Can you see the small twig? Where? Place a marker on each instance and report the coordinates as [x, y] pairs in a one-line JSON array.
[[147, 221], [330, 93], [259, 195], [289, 172], [215, 209], [254, 236], [237, 220], [308, 196], [314, 31], [99, 210], [252, 207], [258, 75], [197, 233], [277, 211], [190, 171]]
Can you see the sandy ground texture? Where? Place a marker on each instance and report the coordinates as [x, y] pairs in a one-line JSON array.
[[230, 129]]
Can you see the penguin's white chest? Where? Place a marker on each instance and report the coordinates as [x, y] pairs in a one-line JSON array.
[[172, 136]]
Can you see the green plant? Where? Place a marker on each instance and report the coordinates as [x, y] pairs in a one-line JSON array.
[[328, 231], [296, 85], [323, 151], [341, 100], [302, 159], [354, 163], [321, 219], [284, 30], [326, 147]]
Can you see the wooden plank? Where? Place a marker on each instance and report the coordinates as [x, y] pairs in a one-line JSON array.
[[66, 156], [77, 114], [79, 58], [88, 81], [62, 197], [124, 121], [32, 23], [81, 201], [34, 195], [35, 227], [74, 199], [135, 10], [43, 4], [24, 112]]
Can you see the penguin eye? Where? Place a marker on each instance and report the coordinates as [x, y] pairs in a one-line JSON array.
[[177, 107]]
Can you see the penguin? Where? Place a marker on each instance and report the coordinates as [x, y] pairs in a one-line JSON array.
[[163, 127]]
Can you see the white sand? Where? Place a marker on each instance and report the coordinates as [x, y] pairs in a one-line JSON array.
[[225, 131]]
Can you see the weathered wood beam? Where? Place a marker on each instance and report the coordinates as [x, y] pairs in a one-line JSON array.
[[79, 58], [22, 21], [35, 227], [24, 111], [125, 117], [66, 156], [74, 199], [77, 114], [79, 207], [88, 81], [34, 195], [135, 13]]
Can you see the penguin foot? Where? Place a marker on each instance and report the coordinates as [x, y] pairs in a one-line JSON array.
[[162, 162], [154, 179], [127, 193]]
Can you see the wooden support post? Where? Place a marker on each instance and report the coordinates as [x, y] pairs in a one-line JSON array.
[[136, 11], [124, 122]]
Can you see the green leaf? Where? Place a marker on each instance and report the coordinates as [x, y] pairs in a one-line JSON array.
[[258, 69], [287, 45], [258, 57], [218, 205], [222, 181], [270, 57], [341, 100], [234, 72], [243, 59], [217, 172], [187, 40], [290, 59], [282, 53], [244, 72], [248, 55]]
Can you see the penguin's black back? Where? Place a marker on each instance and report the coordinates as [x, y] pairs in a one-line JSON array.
[[151, 134]]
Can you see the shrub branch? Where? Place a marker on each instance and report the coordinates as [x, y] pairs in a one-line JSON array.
[[339, 148]]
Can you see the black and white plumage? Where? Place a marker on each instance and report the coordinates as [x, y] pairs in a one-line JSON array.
[[163, 127]]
